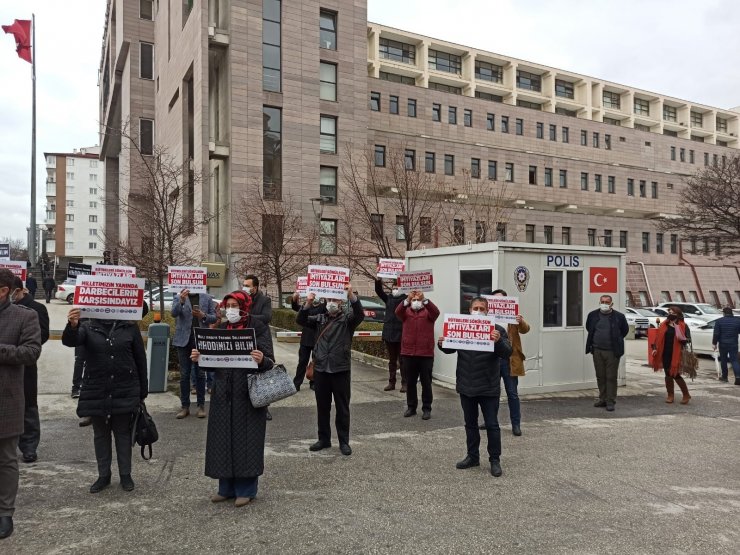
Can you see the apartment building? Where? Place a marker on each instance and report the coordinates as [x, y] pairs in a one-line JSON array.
[[75, 210], [265, 97]]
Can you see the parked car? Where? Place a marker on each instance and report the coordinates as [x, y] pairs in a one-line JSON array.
[[153, 300], [702, 311], [639, 321], [691, 322], [653, 317], [374, 309], [701, 339], [66, 290]]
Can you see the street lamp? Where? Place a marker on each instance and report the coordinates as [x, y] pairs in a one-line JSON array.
[[317, 205]]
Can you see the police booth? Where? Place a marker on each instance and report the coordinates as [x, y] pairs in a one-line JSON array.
[[557, 286]]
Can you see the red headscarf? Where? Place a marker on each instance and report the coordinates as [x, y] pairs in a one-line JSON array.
[[245, 305]]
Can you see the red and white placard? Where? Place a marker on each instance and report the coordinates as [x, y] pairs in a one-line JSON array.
[[468, 333], [113, 271], [420, 280], [389, 268], [328, 281], [301, 285], [18, 267], [505, 309], [110, 298], [187, 277]]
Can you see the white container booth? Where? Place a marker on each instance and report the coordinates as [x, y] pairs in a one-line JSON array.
[[557, 286]]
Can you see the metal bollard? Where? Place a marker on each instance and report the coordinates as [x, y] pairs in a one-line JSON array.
[[158, 356]]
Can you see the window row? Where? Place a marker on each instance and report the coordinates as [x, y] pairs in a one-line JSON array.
[[679, 154]]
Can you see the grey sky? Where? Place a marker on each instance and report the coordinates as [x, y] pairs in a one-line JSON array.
[[681, 48]]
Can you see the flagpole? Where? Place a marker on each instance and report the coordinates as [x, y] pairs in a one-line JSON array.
[[32, 256]]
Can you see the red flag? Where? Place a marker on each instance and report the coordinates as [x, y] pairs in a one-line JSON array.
[[21, 30], [603, 280]]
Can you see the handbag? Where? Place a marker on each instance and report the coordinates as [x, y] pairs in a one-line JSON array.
[[271, 386], [309, 367], [144, 430], [689, 362]]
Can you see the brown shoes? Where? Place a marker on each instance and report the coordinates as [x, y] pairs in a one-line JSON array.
[[201, 412], [389, 387], [403, 388], [685, 399], [216, 498], [242, 501], [184, 413]]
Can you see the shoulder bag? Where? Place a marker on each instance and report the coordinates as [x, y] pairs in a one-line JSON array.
[[270, 387]]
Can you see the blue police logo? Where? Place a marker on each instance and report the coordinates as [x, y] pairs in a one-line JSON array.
[[521, 278]]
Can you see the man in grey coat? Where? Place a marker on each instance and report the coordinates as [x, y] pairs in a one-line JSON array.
[[20, 346]]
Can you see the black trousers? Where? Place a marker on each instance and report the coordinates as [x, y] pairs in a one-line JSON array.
[[339, 387], [489, 408], [28, 441], [78, 368], [394, 358], [48, 293], [418, 368], [304, 355], [119, 425]]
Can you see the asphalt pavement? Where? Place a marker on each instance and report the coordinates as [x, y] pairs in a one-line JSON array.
[[648, 478]]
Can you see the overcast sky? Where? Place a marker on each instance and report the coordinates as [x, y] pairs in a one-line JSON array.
[[681, 48]]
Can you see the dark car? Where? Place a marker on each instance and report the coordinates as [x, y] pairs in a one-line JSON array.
[[374, 309]]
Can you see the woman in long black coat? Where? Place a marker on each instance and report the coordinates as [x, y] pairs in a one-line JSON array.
[[235, 447], [114, 383]]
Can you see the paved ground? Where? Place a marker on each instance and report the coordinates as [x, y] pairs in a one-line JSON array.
[[648, 478]]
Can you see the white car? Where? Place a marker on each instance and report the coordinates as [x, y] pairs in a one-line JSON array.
[[654, 319], [689, 321], [66, 290], [153, 301], [638, 320], [701, 339], [702, 311]]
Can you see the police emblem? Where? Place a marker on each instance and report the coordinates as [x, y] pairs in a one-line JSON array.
[[521, 278]]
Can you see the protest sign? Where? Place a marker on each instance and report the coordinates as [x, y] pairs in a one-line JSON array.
[[187, 277], [301, 285], [421, 280], [220, 348], [18, 267], [468, 333], [505, 309], [110, 298], [328, 281], [4, 251], [113, 271], [390, 268], [76, 269]]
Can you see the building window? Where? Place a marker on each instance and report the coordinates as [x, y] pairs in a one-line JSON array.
[[526, 104], [623, 239], [376, 227], [146, 136], [393, 104], [397, 51], [328, 85], [611, 184], [563, 179], [425, 229], [519, 126], [528, 81], [93, 231], [272, 153], [529, 233], [145, 9], [93, 191], [597, 183], [641, 127], [489, 72], [548, 234], [563, 89], [509, 172], [591, 237], [612, 100], [565, 236], [697, 119], [553, 132], [643, 186], [584, 138], [475, 168], [596, 140], [608, 142], [70, 203], [380, 156], [328, 30], [674, 243], [409, 160], [682, 154], [540, 130], [328, 183], [564, 112], [654, 189], [449, 164], [70, 162], [458, 231], [92, 218], [452, 115], [642, 107], [669, 113], [504, 124], [400, 228], [429, 163], [93, 177], [490, 122], [584, 181], [721, 125], [69, 246], [271, 41], [328, 139], [500, 232], [645, 241], [533, 175], [395, 78], [436, 112], [492, 170], [411, 108], [612, 121], [375, 101], [673, 153], [481, 232], [445, 88], [187, 7], [607, 237], [630, 187], [548, 177], [565, 134], [691, 157], [468, 118], [443, 61], [146, 60], [92, 246], [328, 237], [489, 96], [659, 243]]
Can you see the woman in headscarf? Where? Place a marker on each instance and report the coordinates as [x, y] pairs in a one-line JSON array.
[[673, 334], [235, 447]]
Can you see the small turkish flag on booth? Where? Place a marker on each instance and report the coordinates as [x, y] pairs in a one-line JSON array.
[[603, 280]]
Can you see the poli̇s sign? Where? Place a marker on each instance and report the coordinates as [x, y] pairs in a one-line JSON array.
[[563, 261]]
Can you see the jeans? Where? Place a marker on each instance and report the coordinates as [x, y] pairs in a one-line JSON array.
[[606, 364], [304, 355], [489, 408], [510, 385], [187, 367], [238, 487], [419, 368], [728, 353], [339, 386], [120, 426]]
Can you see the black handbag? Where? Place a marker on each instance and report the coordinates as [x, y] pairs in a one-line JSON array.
[[144, 430]]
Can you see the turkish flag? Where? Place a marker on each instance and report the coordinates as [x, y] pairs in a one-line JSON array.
[[21, 30], [603, 280]]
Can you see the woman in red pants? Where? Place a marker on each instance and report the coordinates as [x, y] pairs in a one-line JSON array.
[[673, 334]]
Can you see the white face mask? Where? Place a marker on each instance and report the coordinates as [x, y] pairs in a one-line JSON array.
[[232, 315], [604, 307], [332, 307], [395, 292], [416, 305], [477, 312], [249, 291]]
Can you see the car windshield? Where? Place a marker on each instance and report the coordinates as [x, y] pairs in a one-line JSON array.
[[645, 312], [709, 309], [370, 302]]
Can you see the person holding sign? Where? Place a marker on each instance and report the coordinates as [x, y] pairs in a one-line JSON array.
[[235, 445], [332, 364], [392, 328], [308, 339], [478, 382], [417, 350], [114, 383]]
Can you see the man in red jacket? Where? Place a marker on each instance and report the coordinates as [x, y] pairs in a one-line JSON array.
[[417, 350]]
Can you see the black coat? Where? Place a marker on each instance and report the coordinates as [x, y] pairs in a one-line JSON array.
[[31, 285], [30, 373], [726, 331], [308, 334], [261, 308], [478, 373], [619, 330], [392, 326], [235, 447], [115, 378]]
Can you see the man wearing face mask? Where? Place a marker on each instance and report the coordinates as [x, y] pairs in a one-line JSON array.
[[606, 329], [417, 350], [332, 357], [29, 440], [392, 328], [261, 303], [20, 346], [308, 339]]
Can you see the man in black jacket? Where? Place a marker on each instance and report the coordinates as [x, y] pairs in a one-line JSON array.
[[49, 284], [28, 442], [308, 339], [725, 336], [332, 357], [606, 329], [392, 328], [31, 285], [261, 304], [478, 381]]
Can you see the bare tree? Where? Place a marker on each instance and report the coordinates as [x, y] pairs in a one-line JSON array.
[[709, 208], [18, 249]]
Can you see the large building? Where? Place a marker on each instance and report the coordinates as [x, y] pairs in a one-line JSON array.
[[75, 208], [276, 93]]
